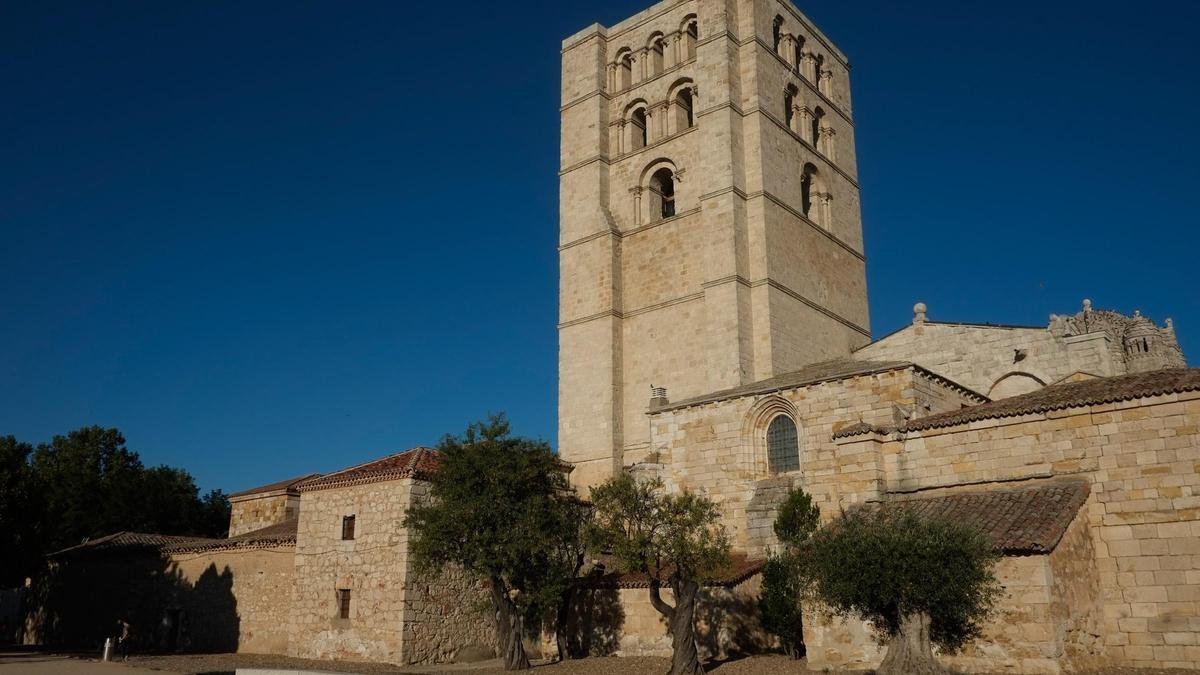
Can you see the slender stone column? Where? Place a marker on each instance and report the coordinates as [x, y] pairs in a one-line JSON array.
[[787, 45], [805, 124], [825, 86], [637, 204], [827, 145], [808, 66]]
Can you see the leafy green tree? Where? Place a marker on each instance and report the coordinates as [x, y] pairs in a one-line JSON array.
[[496, 505], [782, 580], [90, 484], [19, 510], [918, 580], [87, 484], [214, 514], [676, 540], [567, 555]]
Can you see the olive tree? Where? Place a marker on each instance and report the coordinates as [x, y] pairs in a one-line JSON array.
[[919, 580], [498, 507], [676, 540]]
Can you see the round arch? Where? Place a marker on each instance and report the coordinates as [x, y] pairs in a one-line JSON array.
[[754, 432], [1015, 383]]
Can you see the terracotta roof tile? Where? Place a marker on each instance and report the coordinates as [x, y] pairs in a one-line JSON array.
[[415, 463], [1022, 520], [271, 535], [858, 429], [289, 484], [741, 567], [1069, 395], [124, 541]]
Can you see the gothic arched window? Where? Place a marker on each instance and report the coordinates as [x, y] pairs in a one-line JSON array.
[[783, 445], [776, 33]]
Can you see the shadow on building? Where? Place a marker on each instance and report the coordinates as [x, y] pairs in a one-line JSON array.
[[83, 595]]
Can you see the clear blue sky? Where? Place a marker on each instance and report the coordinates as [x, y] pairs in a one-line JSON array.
[[267, 238]]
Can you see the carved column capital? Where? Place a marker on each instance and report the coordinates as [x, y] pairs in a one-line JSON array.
[[637, 191]]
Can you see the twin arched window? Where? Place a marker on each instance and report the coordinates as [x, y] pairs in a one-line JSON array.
[[783, 445]]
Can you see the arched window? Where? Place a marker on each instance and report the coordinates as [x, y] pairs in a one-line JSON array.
[[808, 189], [684, 118], [625, 71], [789, 103], [816, 202], [817, 118], [798, 56], [655, 54], [783, 445], [691, 35], [662, 193], [637, 135], [776, 33]]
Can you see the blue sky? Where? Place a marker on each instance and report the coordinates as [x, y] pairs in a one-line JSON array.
[[267, 238]]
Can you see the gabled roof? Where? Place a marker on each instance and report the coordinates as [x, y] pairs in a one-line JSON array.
[[1023, 520], [415, 463], [289, 485], [1069, 395]]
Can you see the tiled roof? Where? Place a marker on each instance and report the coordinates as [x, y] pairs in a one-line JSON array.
[[1018, 521], [415, 463], [740, 568], [271, 535], [1069, 395], [288, 484], [124, 541]]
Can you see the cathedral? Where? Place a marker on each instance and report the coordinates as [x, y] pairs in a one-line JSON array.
[[714, 333]]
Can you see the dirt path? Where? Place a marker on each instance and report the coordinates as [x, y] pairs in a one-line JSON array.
[[42, 664]]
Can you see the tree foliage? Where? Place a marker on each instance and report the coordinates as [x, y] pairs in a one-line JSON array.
[[782, 578], [676, 540], [916, 579], [87, 484], [500, 507]]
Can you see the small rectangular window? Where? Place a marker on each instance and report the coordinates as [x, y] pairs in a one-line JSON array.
[[343, 599], [347, 527]]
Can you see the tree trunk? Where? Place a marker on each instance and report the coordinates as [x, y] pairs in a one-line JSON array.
[[910, 652], [509, 631], [681, 621], [560, 624]]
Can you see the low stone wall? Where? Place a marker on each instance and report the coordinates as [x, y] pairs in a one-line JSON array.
[[622, 622]]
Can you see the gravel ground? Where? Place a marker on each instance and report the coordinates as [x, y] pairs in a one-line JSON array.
[[759, 665]]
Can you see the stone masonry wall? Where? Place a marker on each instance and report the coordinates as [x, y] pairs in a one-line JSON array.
[[622, 622], [255, 512], [1018, 638], [719, 447], [371, 565], [260, 583], [979, 357], [444, 612], [1143, 460]]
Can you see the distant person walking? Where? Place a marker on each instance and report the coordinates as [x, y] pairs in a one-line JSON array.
[[123, 636]]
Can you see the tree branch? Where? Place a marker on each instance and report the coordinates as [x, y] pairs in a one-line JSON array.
[[657, 601]]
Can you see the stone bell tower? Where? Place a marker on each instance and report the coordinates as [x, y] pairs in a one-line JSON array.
[[710, 233]]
